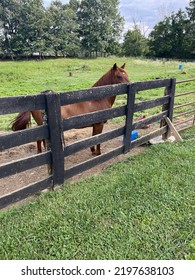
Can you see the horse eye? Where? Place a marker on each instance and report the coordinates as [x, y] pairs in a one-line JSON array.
[[119, 77]]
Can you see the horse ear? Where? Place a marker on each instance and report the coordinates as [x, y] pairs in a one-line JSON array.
[[123, 66], [114, 67]]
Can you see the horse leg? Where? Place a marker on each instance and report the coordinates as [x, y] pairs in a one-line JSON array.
[[93, 148], [97, 129], [39, 120], [39, 149]]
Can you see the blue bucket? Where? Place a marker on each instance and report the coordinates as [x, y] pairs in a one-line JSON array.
[[134, 135], [180, 66]]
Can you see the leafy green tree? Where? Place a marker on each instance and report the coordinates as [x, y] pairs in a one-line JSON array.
[[114, 24], [168, 37], [100, 25], [174, 37], [23, 31], [190, 34], [191, 10], [10, 18], [135, 44], [178, 31], [32, 28], [1, 41], [74, 5], [160, 39], [63, 29]]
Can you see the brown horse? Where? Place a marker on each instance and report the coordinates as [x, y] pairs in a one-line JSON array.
[[115, 75]]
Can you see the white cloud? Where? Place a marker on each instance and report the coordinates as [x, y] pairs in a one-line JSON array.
[[149, 12]]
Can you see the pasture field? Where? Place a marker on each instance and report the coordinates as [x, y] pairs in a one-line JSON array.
[[32, 77], [140, 208]]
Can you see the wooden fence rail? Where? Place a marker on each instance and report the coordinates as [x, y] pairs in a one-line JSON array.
[[189, 114], [55, 158]]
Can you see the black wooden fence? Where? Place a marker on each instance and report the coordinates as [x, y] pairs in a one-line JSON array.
[[52, 131], [188, 115]]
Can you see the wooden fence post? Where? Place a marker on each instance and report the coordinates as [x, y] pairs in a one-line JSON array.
[[171, 92], [129, 116], [55, 136]]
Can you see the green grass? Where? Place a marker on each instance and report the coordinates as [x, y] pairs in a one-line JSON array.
[[140, 208], [32, 77]]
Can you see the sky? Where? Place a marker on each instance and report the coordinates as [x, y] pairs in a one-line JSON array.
[[145, 13]]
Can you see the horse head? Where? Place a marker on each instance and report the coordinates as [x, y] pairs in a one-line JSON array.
[[120, 75]]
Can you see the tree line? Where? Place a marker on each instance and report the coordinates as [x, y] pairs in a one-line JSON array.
[[174, 37], [89, 28]]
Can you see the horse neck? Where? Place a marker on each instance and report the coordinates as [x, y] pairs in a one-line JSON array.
[[105, 80]]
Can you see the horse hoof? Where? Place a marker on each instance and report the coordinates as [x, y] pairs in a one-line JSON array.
[[96, 153]]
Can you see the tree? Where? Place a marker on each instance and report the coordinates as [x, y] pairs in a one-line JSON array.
[[190, 33], [168, 37], [178, 31], [100, 25], [174, 37], [32, 28], [135, 44], [191, 11], [10, 18], [23, 31], [63, 29], [1, 37], [74, 5], [27, 27]]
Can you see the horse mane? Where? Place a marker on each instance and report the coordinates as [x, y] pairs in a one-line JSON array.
[[106, 79]]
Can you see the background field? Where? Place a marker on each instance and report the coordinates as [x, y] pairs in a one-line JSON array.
[[140, 208], [31, 77]]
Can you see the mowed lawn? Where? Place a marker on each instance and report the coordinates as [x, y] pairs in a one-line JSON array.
[[140, 208]]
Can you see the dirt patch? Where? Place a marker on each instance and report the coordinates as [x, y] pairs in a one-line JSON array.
[[17, 181]]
